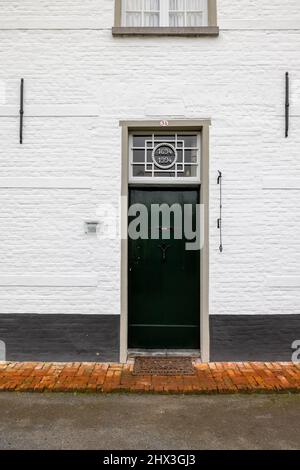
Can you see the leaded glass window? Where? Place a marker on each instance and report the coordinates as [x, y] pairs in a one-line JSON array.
[[165, 156]]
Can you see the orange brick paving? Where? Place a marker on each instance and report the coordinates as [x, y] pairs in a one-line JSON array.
[[94, 377]]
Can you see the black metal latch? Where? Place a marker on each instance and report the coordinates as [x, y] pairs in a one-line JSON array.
[[219, 221], [287, 104], [21, 109]]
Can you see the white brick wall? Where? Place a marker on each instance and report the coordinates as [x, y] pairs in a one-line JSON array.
[[236, 79]]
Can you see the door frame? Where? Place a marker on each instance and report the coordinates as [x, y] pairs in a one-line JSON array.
[[202, 126]]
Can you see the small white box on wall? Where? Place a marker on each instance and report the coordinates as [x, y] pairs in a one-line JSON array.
[[91, 227]]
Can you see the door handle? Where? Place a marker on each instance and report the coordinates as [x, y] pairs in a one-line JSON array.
[[164, 248]]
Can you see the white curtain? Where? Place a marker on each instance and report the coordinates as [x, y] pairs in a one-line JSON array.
[[194, 19], [139, 5], [194, 5], [188, 5], [177, 5], [151, 5], [134, 19], [176, 20], [181, 13], [138, 13], [134, 5], [151, 19], [186, 12]]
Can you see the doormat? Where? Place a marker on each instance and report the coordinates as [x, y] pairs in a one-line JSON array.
[[163, 366]]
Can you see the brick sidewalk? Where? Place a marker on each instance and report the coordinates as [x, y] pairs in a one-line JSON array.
[[93, 377]]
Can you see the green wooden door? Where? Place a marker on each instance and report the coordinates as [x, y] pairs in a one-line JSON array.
[[163, 280]]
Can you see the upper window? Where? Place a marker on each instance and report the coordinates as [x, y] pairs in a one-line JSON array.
[[166, 17], [172, 13], [162, 157]]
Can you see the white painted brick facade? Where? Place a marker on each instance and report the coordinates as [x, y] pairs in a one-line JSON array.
[[236, 79]]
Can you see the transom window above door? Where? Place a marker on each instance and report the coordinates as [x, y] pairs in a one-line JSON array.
[[166, 17], [173, 13], [160, 157]]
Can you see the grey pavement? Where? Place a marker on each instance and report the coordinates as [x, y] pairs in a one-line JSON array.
[[86, 421]]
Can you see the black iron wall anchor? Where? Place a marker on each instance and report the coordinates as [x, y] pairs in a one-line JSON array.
[[219, 222], [21, 109], [287, 104]]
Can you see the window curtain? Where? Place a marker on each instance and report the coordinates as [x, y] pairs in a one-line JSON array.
[[186, 12], [142, 13], [181, 12]]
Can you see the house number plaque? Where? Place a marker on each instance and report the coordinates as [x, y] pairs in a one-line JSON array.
[[164, 156]]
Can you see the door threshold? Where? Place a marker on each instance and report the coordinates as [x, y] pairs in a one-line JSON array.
[[194, 353]]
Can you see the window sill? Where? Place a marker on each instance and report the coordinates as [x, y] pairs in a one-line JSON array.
[[161, 31]]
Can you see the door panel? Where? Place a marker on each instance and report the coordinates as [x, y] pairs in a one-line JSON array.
[[164, 280]]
